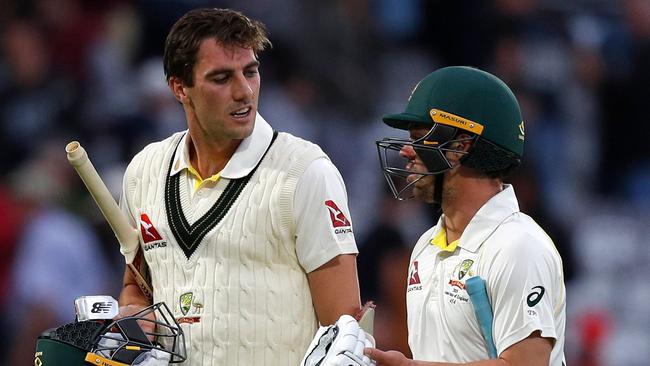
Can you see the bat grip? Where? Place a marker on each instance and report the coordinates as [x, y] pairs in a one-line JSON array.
[[482, 310], [126, 235]]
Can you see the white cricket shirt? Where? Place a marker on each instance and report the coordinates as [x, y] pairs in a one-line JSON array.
[[320, 235], [524, 278], [235, 276]]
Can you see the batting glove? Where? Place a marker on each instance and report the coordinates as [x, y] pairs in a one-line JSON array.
[[340, 344]]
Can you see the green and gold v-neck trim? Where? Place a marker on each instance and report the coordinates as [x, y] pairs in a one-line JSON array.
[[190, 236]]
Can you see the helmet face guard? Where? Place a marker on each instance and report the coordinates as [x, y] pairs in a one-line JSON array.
[[127, 339], [431, 149], [152, 332]]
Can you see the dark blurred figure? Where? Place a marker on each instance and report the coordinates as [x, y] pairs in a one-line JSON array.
[[383, 271], [340, 50], [11, 221], [624, 103], [451, 47], [35, 102], [58, 255], [71, 31]]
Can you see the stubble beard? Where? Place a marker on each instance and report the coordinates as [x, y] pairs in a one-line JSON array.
[[423, 189]]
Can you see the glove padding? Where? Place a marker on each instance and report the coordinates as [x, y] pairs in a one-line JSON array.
[[340, 344]]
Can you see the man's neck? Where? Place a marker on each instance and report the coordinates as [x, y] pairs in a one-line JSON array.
[[462, 198], [209, 157]]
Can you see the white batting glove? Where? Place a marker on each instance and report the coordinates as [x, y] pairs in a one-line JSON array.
[[340, 344]]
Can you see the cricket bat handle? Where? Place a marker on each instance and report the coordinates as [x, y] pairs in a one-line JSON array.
[[483, 311], [127, 236]]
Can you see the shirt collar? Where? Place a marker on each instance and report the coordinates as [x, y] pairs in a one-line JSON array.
[[487, 219], [244, 160]]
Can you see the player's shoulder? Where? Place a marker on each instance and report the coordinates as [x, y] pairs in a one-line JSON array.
[[289, 141], [296, 153], [521, 236], [154, 154]]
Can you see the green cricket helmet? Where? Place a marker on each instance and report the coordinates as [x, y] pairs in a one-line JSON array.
[[121, 342], [52, 352], [453, 102]]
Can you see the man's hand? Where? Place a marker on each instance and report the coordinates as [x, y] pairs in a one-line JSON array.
[[148, 325], [388, 358], [341, 344]]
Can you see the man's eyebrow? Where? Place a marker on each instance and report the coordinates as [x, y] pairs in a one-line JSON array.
[[226, 70], [255, 63], [414, 135]]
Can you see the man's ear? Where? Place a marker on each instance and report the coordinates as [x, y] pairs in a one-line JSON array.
[[466, 142], [178, 89], [460, 146]]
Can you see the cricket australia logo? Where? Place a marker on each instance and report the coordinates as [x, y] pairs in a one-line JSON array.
[[186, 302], [464, 268], [461, 270], [190, 307], [150, 236]]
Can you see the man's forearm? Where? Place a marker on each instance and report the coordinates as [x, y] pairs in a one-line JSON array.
[[131, 295]]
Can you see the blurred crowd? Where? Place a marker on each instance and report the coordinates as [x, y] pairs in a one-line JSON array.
[[91, 71]]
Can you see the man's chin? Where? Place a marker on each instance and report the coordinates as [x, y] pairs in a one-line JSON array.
[[424, 195], [243, 131]]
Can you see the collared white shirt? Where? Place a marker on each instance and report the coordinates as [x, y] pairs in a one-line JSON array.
[[316, 237], [518, 261]]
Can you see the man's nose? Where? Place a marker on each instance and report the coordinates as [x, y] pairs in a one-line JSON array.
[[241, 89], [407, 152]]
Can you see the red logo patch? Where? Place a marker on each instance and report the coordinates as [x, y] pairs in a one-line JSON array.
[[336, 215], [458, 284], [149, 233], [414, 277]]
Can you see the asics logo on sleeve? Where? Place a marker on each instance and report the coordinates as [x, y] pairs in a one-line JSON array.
[[535, 296]]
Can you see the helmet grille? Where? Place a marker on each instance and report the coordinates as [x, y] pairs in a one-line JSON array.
[[491, 159]]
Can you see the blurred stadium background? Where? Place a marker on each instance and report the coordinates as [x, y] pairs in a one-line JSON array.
[[91, 70]]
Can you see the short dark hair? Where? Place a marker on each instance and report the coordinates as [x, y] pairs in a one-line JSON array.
[[229, 27]]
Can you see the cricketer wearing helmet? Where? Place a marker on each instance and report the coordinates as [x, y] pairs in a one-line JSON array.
[[466, 136]]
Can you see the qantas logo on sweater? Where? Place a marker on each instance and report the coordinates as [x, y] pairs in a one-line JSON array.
[[150, 236], [149, 233], [414, 278], [340, 223], [336, 215]]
